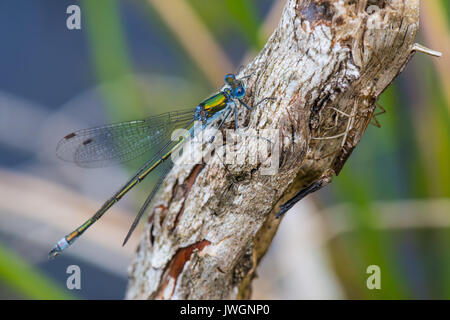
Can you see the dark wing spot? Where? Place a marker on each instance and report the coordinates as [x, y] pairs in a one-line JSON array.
[[85, 142], [69, 136]]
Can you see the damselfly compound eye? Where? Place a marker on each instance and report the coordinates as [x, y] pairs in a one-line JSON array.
[[229, 78], [239, 92]]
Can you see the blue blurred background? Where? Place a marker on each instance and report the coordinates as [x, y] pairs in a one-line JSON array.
[[390, 206]]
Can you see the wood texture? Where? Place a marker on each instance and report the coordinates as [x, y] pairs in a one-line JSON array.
[[326, 64]]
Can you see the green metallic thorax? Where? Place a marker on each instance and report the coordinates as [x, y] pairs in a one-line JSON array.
[[215, 103]]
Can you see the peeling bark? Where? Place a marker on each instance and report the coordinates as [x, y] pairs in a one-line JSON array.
[[326, 63]]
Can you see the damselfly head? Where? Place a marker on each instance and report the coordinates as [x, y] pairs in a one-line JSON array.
[[236, 86]]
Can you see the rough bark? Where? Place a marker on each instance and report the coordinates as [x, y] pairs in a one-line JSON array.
[[326, 63]]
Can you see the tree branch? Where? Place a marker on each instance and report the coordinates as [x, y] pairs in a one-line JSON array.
[[326, 64]]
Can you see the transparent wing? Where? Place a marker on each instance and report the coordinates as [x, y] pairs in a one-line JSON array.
[[120, 142]]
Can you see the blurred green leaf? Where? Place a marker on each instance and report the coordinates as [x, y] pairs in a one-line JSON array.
[[230, 18], [27, 281], [446, 6], [440, 127], [188, 65], [110, 59], [244, 14], [367, 244]]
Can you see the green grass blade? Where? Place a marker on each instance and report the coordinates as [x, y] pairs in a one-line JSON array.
[[111, 60], [27, 281]]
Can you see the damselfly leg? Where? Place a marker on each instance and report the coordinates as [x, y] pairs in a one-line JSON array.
[[257, 104], [225, 117]]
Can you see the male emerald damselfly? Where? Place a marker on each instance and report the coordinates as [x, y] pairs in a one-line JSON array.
[[118, 143]]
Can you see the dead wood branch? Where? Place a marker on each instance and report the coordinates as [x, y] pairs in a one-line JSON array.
[[326, 63]]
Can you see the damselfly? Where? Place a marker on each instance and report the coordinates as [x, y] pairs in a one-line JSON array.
[[124, 141]]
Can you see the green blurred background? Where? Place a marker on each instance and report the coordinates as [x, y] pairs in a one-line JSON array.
[[389, 207]]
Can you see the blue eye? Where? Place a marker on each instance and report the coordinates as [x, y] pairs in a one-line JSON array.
[[229, 77], [239, 92]]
